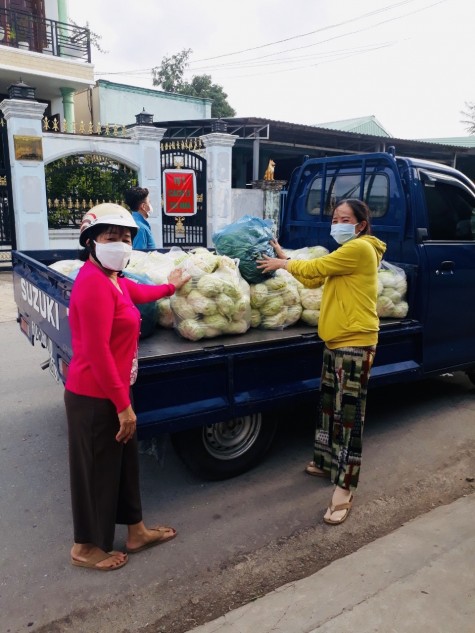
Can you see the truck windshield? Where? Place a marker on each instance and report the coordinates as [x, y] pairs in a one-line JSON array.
[[341, 186]]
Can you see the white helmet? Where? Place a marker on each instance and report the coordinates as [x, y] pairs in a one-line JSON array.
[[106, 213]]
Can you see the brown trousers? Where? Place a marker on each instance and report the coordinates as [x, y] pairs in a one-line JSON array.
[[104, 474]]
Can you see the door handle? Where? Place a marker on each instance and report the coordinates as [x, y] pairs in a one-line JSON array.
[[445, 268]]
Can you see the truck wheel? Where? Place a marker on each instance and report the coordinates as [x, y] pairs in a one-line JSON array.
[[224, 450]]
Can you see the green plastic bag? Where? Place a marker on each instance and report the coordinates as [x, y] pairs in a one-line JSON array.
[[247, 240]]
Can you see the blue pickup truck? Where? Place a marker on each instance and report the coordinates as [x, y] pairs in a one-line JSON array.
[[220, 399]]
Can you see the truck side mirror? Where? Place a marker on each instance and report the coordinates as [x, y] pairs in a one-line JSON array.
[[421, 235]]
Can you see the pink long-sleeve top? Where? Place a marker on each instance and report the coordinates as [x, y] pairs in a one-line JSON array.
[[105, 327]]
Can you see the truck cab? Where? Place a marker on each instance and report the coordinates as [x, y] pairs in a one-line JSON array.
[[425, 213]]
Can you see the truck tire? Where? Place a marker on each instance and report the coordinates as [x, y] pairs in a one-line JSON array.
[[471, 376], [227, 449]]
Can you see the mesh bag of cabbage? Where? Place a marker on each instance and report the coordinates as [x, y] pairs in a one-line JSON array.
[[214, 302]]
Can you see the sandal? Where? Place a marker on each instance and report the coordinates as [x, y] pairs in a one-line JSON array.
[[311, 469], [162, 537], [343, 506], [98, 557]]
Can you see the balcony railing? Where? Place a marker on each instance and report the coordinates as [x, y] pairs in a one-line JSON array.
[[28, 32]]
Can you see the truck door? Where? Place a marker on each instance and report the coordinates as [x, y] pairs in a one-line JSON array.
[[449, 255]]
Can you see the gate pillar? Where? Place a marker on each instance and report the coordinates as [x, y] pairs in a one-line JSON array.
[[149, 173], [219, 147], [27, 172]]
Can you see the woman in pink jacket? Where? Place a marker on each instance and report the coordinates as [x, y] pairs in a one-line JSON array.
[[103, 455]]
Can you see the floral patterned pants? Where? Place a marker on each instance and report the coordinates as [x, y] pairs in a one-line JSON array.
[[339, 432]]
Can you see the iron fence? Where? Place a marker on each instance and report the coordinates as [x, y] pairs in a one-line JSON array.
[[29, 32]]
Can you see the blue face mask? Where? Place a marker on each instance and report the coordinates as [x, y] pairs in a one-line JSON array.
[[342, 233]]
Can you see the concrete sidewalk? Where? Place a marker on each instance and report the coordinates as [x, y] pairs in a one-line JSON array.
[[420, 578]]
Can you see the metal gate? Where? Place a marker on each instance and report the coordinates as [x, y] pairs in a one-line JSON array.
[[78, 182], [187, 231], [7, 223]]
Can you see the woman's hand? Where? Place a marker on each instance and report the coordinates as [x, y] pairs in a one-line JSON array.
[[128, 424], [268, 264], [178, 278], [279, 251]]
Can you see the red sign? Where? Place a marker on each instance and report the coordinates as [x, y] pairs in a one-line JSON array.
[[179, 192]]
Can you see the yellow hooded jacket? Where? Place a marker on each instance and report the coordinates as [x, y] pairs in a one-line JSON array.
[[348, 316]]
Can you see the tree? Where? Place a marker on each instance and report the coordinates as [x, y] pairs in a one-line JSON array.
[[469, 112], [169, 76]]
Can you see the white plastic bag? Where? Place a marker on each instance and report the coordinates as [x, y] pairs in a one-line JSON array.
[[392, 291]]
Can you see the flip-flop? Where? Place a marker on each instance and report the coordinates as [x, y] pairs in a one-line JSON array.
[[311, 469], [161, 529], [91, 563], [343, 506]]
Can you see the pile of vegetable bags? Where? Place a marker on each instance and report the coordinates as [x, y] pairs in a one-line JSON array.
[[247, 240], [215, 301], [155, 267], [392, 290]]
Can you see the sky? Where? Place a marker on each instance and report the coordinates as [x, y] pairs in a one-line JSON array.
[[409, 63]]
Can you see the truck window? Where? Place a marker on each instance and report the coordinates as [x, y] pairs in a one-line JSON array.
[[450, 210], [340, 186]]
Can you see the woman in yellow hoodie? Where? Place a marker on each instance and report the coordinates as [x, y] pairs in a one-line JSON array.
[[349, 327]]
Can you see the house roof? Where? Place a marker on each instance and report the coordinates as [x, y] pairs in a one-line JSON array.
[[456, 141], [361, 125], [305, 139]]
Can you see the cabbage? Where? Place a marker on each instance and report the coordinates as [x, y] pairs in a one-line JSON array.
[[191, 329], [201, 304], [293, 314], [164, 313], [272, 306], [311, 298], [237, 327], [181, 308], [384, 306], [217, 321], [276, 283], [231, 288], [291, 295], [388, 278], [259, 294], [310, 316], [274, 321], [380, 286], [241, 306], [210, 285], [400, 310], [225, 305], [401, 285], [67, 267], [255, 317], [393, 294]]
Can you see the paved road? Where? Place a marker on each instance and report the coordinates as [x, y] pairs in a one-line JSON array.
[[237, 539]]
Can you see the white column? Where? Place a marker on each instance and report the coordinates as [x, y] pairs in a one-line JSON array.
[[28, 176], [219, 149], [149, 175]]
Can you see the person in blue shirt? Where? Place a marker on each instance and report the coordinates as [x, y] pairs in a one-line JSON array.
[[137, 199]]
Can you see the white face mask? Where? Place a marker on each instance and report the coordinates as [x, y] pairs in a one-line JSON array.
[[113, 255], [150, 210], [342, 233]]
